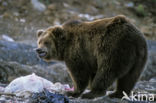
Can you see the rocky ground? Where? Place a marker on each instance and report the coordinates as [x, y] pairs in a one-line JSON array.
[[20, 20]]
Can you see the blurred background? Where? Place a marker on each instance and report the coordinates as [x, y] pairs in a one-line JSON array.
[[20, 19]]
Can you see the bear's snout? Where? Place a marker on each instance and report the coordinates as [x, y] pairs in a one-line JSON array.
[[41, 52]]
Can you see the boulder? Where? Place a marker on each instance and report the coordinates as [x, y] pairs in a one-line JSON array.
[[11, 70], [150, 68], [19, 52]]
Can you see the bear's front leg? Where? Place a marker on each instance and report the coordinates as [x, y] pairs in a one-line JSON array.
[[74, 94], [79, 87], [80, 81]]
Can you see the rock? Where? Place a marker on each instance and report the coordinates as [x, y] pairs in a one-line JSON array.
[[48, 97], [7, 38], [38, 5], [13, 99], [89, 17], [11, 70], [98, 4], [149, 31], [146, 86], [153, 79], [129, 5], [150, 70], [6, 15], [52, 7], [22, 20], [1, 89], [22, 53]]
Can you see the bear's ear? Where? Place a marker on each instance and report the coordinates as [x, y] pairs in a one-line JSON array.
[[58, 32], [39, 32]]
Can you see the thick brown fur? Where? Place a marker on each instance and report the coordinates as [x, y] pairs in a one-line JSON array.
[[97, 53]]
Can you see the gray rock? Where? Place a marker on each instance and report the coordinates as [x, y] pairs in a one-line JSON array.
[[7, 38], [130, 4], [22, 53], [38, 5], [150, 69], [146, 86], [151, 45], [12, 70]]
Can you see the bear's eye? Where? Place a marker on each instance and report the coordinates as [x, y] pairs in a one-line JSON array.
[[46, 43]]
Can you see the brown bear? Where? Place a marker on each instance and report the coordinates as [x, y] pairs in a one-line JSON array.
[[96, 53]]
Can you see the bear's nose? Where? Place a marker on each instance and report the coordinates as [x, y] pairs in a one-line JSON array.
[[38, 50]]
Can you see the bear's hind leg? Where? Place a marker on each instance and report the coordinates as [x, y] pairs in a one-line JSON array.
[[100, 83], [127, 82]]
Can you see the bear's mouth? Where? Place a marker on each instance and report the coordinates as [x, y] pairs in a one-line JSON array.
[[41, 53]]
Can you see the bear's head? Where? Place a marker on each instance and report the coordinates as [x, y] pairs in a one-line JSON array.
[[51, 43]]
